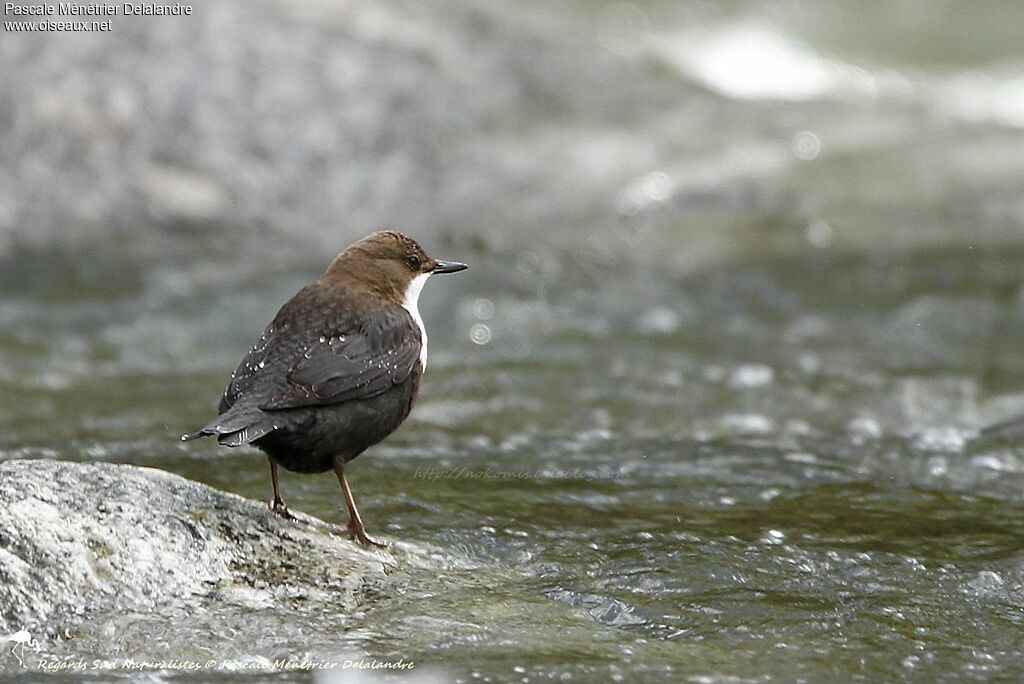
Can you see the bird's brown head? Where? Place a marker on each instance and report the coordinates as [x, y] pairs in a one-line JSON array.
[[390, 264]]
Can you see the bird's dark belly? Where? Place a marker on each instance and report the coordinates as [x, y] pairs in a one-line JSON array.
[[309, 438]]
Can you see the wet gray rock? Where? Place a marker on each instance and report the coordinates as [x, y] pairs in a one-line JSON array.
[[86, 544]]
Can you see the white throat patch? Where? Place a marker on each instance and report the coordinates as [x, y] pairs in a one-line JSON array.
[[412, 297]]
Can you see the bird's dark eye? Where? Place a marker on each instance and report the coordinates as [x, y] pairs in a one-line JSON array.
[[413, 261]]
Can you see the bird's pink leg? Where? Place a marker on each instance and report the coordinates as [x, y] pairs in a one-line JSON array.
[[278, 505], [355, 523]]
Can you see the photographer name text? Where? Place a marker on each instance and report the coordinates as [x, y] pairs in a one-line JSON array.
[[40, 17], [96, 9], [59, 665]]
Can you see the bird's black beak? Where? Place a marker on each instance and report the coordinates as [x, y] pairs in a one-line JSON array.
[[449, 267]]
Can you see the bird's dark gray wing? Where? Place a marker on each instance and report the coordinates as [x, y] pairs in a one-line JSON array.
[[360, 363], [241, 422], [249, 369]]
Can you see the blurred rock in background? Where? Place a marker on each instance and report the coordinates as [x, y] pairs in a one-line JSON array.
[[668, 132]]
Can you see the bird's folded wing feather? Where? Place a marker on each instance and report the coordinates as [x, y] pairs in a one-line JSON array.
[[359, 363], [249, 369]]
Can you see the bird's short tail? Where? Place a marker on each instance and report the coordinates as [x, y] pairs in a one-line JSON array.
[[235, 427]]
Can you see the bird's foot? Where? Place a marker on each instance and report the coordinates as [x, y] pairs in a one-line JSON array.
[[356, 532], [281, 508]]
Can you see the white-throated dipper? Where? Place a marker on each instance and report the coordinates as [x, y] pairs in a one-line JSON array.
[[339, 367]]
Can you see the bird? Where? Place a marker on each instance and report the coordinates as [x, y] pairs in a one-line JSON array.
[[338, 368]]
